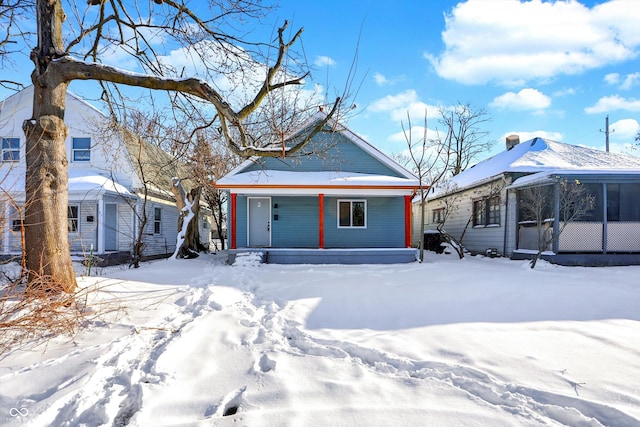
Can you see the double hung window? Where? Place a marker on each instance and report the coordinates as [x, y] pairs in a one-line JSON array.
[[10, 149]]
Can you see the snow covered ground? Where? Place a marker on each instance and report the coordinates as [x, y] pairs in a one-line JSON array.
[[478, 341]]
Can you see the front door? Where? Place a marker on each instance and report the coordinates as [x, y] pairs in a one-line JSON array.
[[110, 227], [259, 222]]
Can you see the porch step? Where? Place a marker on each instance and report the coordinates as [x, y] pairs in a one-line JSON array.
[[321, 256], [248, 258]]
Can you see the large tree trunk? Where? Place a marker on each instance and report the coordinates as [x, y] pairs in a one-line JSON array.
[[46, 249], [188, 244]]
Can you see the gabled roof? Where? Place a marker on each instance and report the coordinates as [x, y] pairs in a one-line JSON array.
[[147, 161], [330, 179], [544, 155]]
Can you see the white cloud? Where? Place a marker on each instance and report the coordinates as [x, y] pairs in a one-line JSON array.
[[612, 78], [630, 81], [509, 41], [324, 61], [403, 106], [380, 79], [613, 102], [392, 102], [416, 133], [526, 99], [624, 129]]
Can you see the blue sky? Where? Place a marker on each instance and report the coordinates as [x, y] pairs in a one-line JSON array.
[[551, 69]]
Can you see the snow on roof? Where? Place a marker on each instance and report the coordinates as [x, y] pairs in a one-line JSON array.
[[87, 183], [79, 182], [544, 155], [315, 179]]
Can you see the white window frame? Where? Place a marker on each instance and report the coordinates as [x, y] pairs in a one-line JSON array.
[[14, 152], [70, 219], [157, 221], [75, 150], [351, 202]]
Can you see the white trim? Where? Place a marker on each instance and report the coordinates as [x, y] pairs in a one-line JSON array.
[[101, 226], [77, 206], [160, 221], [346, 192]]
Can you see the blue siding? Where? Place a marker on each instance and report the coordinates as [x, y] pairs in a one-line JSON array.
[[385, 225], [327, 151], [241, 221], [297, 224]]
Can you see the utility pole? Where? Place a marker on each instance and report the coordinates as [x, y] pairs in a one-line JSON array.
[[607, 132]]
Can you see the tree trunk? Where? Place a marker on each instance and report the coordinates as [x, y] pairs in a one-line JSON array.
[[188, 244], [47, 252]]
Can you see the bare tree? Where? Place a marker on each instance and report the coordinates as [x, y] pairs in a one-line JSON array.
[[465, 128], [429, 160], [537, 204], [133, 28], [211, 160]]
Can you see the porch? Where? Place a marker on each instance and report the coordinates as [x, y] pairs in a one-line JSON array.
[[329, 256]]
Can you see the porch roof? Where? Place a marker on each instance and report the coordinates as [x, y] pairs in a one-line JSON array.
[[584, 175], [313, 182], [80, 182]]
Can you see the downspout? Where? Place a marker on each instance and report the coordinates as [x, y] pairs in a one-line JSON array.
[[506, 222]]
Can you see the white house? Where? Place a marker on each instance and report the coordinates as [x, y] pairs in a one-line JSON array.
[[109, 175], [482, 205]]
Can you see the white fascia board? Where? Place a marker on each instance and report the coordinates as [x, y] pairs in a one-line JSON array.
[[325, 191]]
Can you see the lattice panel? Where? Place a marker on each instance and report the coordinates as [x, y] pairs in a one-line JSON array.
[[623, 236], [581, 237]]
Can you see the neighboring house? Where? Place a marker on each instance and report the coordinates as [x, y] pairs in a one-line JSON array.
[[108, 173], [339, 200], [481, 206]]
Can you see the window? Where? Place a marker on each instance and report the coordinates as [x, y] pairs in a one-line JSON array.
[[493, 208], [486, 211], [10, 149], [157, 220], [72, 217], [352, 214], [478, 213], [438, 215], [622, 202], [81, 149]]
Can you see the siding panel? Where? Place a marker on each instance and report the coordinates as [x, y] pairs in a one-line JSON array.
[[297, 223], [385, 225], [328, 151]]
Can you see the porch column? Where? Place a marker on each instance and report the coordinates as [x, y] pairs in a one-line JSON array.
[[556, 222], [407, 221], [233, 220], [100, 235], [321, 221]]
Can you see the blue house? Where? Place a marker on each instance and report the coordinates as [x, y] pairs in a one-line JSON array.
[[338, 200]]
